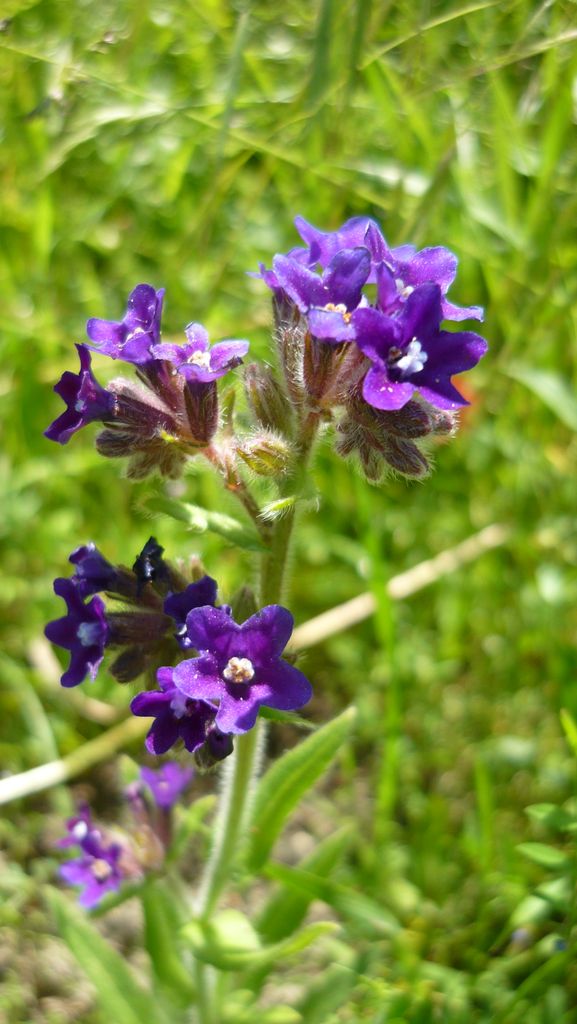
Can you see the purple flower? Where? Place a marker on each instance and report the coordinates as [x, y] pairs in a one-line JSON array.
[[98, 868], [396, 271], [98, 875], [176, 715], [167, 782], [85, 399], [83, 833], [327, 301], [83, 631], [240, 665], [93, 572], [324, 245], [180, 604], [409, 353], [196, 361], [130, 339]]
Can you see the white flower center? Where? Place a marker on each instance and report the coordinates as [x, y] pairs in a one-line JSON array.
[[79, 405], [200, 359], [403, 289], [80, 831], [238, 670], [413, 360], [88, 633], [101, 869], [338, 308]]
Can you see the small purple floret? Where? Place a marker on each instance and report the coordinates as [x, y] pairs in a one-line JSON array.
[[98, 869], [410, 353], [180, 604], [328, 300], [85, 399], [83, 631], [167, 782], [240, 666], [131, 338], [197, 361], [397, 271], [176, 715], [93, 572], [83, 833]]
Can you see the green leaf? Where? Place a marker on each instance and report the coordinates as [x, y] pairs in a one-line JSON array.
[[228, 941], [287, 718], [162, 921], [546, 856], [286, 910], [553, 389], [569, 728], [200, 520], [119, 995], [552, 816], [289, 778], [189, 822], [368, 916]]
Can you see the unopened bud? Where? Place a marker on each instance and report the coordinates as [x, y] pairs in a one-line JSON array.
[[243, 604], [267, 399], [372, 463], [130, 664], [290, 341], [216, 747], [201, 400], [405, 457], [445, 423], [266, 454], [319, 364]]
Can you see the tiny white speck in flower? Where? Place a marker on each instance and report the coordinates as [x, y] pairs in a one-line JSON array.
[[338, 308], [88, 633], [238, 670], [199, 359], [403, 289], [101, 869], [79, 405], [80, 831], [414, 358]]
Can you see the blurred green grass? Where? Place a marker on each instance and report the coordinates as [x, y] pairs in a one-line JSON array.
[[174, 143]]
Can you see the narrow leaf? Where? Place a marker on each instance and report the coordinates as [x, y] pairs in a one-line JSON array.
[[201, 520], [285, 911], [161, 924], [546, 856], [230, 944], [553, 389], [119, 995], [569, 728], [367, 915], [288, 780]]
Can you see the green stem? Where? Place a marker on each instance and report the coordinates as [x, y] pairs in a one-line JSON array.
[[241, 769], [236, 787]]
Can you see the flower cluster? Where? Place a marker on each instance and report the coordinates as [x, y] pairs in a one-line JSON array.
[[172, 409], [360, 324], [202, 700], [153, 597], [103, 863]]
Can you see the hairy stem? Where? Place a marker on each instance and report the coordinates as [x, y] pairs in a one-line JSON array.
[[241, 770]]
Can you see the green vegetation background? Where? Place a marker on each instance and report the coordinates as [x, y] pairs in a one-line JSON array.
[[174, 142]]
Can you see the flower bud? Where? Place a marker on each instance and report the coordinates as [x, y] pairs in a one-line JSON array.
[[267, 399], [243, 604], [290, 340], [266, 454], [216, 747], [406, 458], [201, 400]]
